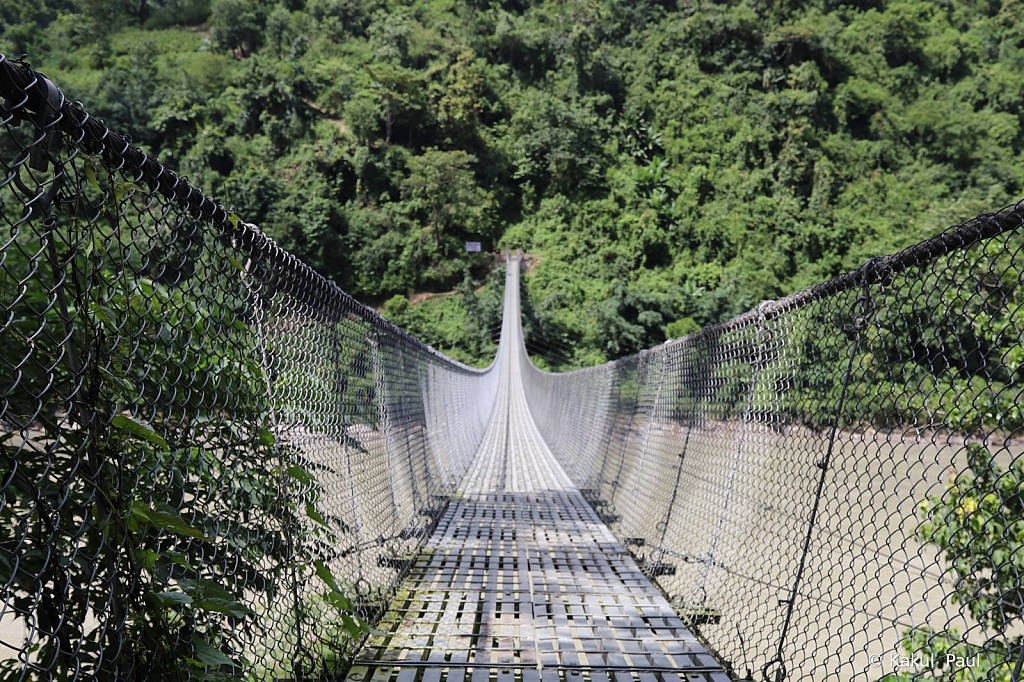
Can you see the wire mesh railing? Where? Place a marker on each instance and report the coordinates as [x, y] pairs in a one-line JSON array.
[[215, 463], [213, 460], [830, 486]]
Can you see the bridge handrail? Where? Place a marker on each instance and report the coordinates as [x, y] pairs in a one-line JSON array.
[[84, 132], [833, 478], [213, 461]]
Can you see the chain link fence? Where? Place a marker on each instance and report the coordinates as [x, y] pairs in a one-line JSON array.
[[830, 486], [214, 462]]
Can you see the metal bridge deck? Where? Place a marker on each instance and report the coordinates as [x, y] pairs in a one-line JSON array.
[[521, 581]]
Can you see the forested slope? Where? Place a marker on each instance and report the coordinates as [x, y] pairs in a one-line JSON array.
[[666, 164]]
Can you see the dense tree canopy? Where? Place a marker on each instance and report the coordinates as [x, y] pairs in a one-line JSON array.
[[668, 163]]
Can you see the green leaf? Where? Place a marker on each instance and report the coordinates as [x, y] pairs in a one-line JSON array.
[[312, 513], [207, 654], [226, 606], [300, 474], [90, 172], [338, 601], [266, 437], [205, 589], [166, 517], [325, 574], [351, 626], [168, 599], [148, 558], [177, 558], [237, 263], [123, 188], [139, 429]]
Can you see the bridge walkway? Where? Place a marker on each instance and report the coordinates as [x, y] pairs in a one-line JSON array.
[[521, 581]]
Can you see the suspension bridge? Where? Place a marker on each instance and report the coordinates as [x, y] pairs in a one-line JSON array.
[[522, 580], [218, 465]]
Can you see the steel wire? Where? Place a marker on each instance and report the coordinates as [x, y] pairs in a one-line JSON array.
[[214, 460], [707, 456], [216, 463]]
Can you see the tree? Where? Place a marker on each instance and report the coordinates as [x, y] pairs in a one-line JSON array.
[[979, 524], [630, 320], [557, 141], [456, 99], [397, 92], [237, 25], [442, 185]]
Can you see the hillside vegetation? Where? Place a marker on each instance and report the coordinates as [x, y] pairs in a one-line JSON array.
[[667, 164]]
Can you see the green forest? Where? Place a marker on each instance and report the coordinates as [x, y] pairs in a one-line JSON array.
[[665, 164]]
